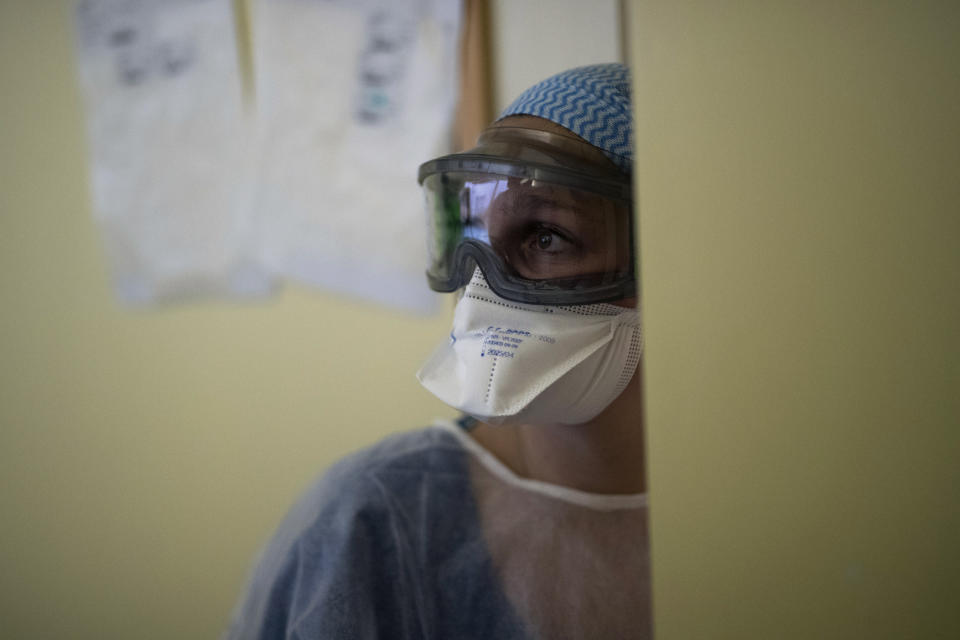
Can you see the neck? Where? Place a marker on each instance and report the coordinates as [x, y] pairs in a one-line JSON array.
[[605, 455]]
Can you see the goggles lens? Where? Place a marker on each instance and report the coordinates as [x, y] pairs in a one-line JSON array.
[[535, 241]]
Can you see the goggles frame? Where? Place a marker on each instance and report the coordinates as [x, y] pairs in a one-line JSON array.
[[509, 287], [616, 189]]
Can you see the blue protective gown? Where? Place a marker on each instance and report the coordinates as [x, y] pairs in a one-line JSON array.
[[426, 535], [387, 545]]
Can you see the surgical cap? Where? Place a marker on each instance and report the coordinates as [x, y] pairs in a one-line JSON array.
[[592, 102]]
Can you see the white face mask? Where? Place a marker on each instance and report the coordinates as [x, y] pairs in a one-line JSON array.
[[533, 364]]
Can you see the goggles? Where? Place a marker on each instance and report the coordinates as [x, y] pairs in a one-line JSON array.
[[546, 217]]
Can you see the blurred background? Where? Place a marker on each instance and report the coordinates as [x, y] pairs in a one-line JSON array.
[[147, 452], [798, 174]]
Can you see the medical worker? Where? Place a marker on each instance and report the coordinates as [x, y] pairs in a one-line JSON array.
[[527, 517]]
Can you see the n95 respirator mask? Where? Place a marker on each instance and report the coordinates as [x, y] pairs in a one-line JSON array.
[[533, 364]]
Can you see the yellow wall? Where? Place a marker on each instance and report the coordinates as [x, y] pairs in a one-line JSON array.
[[528, 44], [799, 189], [144, 456], [799, 185]]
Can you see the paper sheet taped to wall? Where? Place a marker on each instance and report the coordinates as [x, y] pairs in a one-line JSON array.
[[315, 183], [171, 163], [351, 98]]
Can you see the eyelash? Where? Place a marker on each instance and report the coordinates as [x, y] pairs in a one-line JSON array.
[[540, 228]]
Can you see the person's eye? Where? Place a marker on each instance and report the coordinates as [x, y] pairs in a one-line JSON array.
[[549, 240], [545, 239]]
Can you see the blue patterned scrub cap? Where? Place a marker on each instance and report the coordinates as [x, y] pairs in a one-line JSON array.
[[592, 102]]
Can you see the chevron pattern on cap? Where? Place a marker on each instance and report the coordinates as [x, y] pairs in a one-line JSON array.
[[592, 102]]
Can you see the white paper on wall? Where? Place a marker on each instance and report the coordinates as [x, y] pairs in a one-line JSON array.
[[351, 98], [170, 150]]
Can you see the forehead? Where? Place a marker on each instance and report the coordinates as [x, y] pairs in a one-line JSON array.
[[534, 122]]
